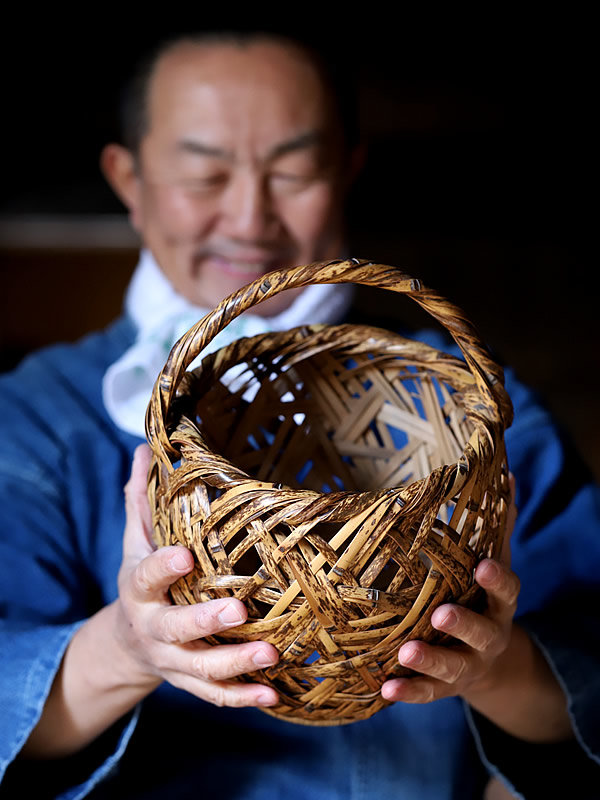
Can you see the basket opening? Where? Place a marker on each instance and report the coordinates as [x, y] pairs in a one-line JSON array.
[[329, 422]]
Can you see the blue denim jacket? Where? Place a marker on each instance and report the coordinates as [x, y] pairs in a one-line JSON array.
[[63, 465]]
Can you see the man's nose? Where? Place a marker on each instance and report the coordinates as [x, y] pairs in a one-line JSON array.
[[247, 211]]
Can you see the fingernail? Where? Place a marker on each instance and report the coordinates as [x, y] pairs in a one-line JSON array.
[[448, 622], [266, 699], [263, 659], [491, 571], [412, 659], [231, 615], [180, 562]]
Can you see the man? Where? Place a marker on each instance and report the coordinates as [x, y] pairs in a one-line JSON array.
[[240, 164]]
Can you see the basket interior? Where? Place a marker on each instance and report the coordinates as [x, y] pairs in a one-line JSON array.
[[335, 422]]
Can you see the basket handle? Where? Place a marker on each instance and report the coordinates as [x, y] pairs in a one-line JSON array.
[[489, 376]]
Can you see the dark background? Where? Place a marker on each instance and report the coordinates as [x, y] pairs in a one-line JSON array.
[[478, 180]]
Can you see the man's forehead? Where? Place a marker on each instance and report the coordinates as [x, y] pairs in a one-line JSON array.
[[209, 81]]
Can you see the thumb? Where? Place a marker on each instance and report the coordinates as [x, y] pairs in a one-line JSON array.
[[137, 540]]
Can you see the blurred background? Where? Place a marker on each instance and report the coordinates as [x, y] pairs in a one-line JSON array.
[[477, 180]]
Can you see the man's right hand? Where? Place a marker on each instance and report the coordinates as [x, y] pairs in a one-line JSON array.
[[162, 641], [128, 648]]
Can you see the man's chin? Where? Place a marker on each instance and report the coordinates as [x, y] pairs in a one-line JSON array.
[[239, 272], [218, 279]]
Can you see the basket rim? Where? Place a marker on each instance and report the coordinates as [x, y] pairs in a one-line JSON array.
[[478, 451], [487, 372]]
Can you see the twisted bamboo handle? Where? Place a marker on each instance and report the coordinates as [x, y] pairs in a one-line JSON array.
[[487, 373]]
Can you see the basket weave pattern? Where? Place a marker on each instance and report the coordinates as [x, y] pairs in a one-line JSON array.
[[342, 481]]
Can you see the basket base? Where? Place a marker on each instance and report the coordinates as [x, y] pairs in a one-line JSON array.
[[321, 723]]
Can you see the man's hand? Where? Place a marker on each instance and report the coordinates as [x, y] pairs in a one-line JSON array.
[[467, 667], [125, 650], [482, 638], [165, 642], [494, 666]]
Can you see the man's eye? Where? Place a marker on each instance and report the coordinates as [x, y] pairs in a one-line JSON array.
[[292, 176], [204, 183], [292, 180]]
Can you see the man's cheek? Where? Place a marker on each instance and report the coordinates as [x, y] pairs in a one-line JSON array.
[[313, 212], [171, 212]]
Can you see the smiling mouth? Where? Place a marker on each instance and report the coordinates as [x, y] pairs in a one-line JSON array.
[[247, 267]]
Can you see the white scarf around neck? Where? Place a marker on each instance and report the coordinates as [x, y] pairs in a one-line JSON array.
[[162, 316]]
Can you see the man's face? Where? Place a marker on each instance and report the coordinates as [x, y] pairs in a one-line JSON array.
[[241, 169]]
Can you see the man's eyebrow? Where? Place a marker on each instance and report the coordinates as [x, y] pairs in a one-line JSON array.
[[301, 142], [308, 139], [200, 148]]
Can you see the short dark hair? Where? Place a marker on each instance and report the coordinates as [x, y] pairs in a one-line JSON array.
[[338, 78]]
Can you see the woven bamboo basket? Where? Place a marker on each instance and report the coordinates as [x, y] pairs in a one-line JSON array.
[[343, 483]]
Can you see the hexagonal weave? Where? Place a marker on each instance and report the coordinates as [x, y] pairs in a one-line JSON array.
[[342, 481]]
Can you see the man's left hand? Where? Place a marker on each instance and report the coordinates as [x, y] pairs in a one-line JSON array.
[[470, 665]]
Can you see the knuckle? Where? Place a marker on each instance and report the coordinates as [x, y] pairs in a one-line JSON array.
[[241, 661], [206, 620], [171, 627], [460, 668], [214, 664], [454, 669], [425, 692], [203, 666], [217, 695], [437, 692], [161, 664], [142, 577], [494, 640]]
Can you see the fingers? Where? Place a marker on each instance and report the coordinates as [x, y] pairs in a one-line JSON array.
[[136, 487], [217, 663], [137, 541], [207, 670], [151, 572], [477, 631], [445, 671], [186, 624], [413, 690], [502, 588], [151, 577], [481, 638], [168, 638], [442, 672], [229, 693], [182, 624], [486, 633], [222, 662], [444, 664]]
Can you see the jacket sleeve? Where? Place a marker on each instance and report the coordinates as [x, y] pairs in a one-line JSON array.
[[556, 554], [30, 657], [46, 592], [568, 635]]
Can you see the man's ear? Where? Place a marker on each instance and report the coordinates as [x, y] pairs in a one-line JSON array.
[[119, 168]]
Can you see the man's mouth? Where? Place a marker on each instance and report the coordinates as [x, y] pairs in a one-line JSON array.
[[247, 267]]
